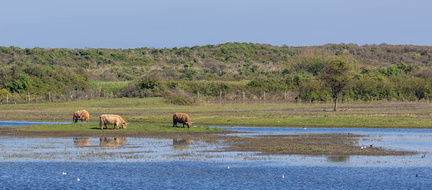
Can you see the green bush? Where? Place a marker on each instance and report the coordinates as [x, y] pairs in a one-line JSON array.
[[178, 99]]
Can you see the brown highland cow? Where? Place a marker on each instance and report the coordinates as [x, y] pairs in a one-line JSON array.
[[110, 119], [83, 115], [181, 118]]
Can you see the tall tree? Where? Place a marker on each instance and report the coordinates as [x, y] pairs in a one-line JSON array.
[[337, 76]]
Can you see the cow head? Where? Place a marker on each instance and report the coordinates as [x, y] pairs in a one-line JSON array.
[[189, 124], [124, 124]]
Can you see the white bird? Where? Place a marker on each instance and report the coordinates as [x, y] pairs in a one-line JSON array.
[[78, 179], [228, 167], [64, 173], [283, 176]]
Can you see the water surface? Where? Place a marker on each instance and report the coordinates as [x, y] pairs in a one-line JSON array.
[[24, 123], [181, 163], [206, 175]]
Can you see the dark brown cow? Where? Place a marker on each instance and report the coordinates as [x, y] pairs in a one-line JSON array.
[[181, 118]]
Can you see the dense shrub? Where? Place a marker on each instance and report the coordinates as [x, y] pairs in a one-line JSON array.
[[228, 71], [178, 99]]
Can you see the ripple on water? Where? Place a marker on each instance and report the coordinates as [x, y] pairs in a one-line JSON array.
[[206, 175]]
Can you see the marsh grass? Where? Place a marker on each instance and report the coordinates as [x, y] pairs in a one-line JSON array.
[[141, 112], [310, 144], [132, 127]]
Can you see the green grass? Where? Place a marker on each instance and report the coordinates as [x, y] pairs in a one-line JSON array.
[[142, 112], [132, 127]]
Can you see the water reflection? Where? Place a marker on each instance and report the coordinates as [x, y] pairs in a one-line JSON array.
[[81, 141], [180, 143], [339, 158], [116, 142], [212, 149]]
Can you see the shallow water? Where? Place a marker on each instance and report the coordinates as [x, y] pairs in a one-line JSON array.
[[206, 175], [23, 123], [147, 163]]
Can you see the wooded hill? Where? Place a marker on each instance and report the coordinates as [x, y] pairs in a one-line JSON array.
[[227, 71]]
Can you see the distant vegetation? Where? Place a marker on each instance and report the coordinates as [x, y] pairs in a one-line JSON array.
[[230, 71]]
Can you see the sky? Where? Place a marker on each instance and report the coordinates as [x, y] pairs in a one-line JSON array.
[[130, 24]]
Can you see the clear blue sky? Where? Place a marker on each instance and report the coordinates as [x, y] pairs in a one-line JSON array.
[[178, 23]]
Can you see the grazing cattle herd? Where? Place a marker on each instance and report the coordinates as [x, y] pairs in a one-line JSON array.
[[117, 121]]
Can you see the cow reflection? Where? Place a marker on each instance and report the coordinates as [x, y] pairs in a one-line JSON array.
[[115, 142], [341, 158], [81, 141], [181, 143]]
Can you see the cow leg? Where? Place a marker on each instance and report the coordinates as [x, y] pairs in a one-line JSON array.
[[174, 124]]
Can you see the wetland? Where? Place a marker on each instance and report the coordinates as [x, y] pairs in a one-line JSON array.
[[301, 146]]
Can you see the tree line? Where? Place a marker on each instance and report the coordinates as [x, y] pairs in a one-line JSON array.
[[233, 71]]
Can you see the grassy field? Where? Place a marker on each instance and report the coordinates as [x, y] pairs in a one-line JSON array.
[[154, 112]]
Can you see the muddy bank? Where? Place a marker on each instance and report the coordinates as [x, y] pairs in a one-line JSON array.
[[302, 144]]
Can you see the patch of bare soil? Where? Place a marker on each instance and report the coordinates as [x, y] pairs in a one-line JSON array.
[[309, 144]]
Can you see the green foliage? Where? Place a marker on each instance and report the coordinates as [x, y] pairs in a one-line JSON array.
[[267, 85], [336, 75], [387, 72], [21, 84], [4, 93], [148, 83], [178, 99], [398, 69], [312, 91]]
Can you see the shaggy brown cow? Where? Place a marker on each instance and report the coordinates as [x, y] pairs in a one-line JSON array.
[[83, 115], [181, 118], [108, 119]]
